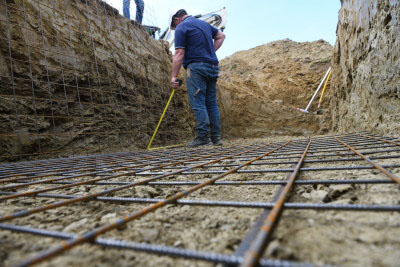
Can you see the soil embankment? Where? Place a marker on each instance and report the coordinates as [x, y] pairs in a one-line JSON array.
[[76, 77], [260, 88], [366, 67]]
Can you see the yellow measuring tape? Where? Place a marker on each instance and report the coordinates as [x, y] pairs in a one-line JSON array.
[[158, 126]]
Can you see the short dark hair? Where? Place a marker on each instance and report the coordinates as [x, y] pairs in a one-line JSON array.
[[180, 13]]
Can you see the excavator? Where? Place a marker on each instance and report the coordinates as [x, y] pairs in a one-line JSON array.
[[215, 18]]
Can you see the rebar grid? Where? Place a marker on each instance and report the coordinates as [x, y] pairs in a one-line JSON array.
[[232, 167], [78, 79]]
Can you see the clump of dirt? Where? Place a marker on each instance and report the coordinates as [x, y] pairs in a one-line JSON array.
[[259, 89]]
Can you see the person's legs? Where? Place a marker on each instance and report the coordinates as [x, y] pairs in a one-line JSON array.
[[139, 10], [196, 86], [212, 105], [126, 7]]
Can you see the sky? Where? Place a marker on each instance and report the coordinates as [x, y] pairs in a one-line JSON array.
[[252, 23]]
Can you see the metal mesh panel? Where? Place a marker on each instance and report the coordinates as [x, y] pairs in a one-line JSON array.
[[268, 184]]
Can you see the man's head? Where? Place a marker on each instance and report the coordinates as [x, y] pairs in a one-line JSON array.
[[177, 18]]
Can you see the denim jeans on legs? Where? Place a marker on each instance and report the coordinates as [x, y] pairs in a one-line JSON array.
[[201, 81], [139, 10], [126, 7]]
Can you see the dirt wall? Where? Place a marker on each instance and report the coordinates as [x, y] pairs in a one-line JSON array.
[[260, 88], [366, 68], [76, 77]]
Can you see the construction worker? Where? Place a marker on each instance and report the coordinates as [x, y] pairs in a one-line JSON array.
[[139, 10], [195, 45]]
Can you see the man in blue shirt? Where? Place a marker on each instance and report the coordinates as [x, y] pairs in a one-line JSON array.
[[196, 42], [139, 10]]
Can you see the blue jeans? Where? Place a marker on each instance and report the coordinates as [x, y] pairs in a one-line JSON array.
[[139, 10], [126, 7], [201, 81]]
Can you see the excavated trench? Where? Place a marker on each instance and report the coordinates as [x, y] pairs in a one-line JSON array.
[[81, 81]]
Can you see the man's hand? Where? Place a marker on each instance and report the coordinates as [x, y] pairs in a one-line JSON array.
[[174, 83], [176, 65]]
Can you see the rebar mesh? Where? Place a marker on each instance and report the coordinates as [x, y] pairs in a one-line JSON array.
[[85, 199]]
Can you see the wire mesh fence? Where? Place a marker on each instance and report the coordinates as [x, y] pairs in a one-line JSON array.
[[78, 78]]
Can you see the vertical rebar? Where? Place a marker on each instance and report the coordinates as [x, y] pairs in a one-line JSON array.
[[112, 92], [69, 22], [104, 113], [12, 79], [70, 124], [32, 80], [46, 67], [113, 55]]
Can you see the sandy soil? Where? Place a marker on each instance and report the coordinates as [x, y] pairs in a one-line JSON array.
[[260, 88]]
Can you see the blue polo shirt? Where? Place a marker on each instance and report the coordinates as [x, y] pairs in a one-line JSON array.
[[196, 36]]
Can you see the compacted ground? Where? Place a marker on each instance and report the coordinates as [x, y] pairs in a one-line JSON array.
[[320, 237]]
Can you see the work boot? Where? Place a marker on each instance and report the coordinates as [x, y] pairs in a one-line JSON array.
[[216, 140], [200, 141]]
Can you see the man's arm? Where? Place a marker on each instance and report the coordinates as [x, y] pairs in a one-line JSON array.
[[219, 40], [176, 65]]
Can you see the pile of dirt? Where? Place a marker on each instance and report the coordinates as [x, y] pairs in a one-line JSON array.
[[259, 89], [366, 67], [77, 78]]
